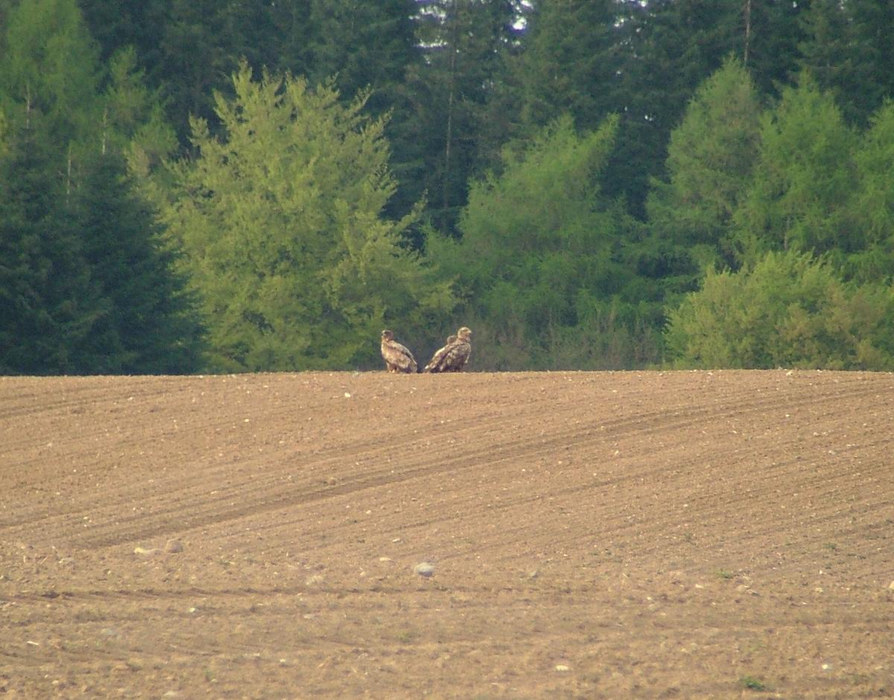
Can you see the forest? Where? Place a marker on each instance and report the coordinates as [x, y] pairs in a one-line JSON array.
[[264, 185]]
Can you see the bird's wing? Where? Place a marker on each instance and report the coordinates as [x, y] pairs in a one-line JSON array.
[[457, 356], [399, 356], [437, 360]]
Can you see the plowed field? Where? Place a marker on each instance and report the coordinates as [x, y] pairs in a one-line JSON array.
[[581, 535]]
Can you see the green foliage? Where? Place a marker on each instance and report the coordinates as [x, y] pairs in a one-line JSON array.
[[149, 325], [771, 36], [200, 46], [48, 302], [280, 222], [753, 683], [804, 180], [367, 47], [572, 46], [791, 311], [133, 120], [134, 24], [817, 188], [50, 65], [581, 59], [462, 42], [710, 161], [847, 47], [538, 261], [874, 203], [85, 283], [293, 244], [3, 135]]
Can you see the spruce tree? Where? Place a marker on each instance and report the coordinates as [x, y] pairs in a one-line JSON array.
[[49, 304], [847, 47], [449, 94], [150, 325], [873, 205]]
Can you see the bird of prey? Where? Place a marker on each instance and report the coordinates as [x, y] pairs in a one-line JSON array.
[[438, 357], [454, 356], [397, 357]]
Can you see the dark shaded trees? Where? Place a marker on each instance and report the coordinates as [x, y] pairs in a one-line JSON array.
[[49, 303], [86, 278], [370, 48], [449, 93], [149, 324], [847, 47]]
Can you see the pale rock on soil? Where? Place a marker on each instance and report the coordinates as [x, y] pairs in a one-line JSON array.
[[589, 535]]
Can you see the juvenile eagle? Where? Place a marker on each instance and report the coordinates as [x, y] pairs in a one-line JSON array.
[[454, 355], [397, 357], [439, 354]]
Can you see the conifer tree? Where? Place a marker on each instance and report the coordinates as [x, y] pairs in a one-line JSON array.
[[541, 259], [847, 47], [449, 94], [49, 303], [804, 180], [710, 160], [789, 310], [281, 224], [88, 279], [150, 325], [873, 205], [50, 64]]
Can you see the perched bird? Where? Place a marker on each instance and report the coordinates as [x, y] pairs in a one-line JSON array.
[[397, 357], [439, 354], [454, 356]]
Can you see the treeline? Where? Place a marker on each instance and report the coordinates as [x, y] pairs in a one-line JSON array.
[[204, 186]]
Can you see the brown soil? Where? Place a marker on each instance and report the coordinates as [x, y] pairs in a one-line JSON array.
[[593, 535]]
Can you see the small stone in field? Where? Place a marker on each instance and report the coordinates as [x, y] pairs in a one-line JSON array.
[[424, 568], [562, 668], [174, 547]]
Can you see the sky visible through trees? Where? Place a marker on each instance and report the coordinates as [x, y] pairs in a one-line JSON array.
[[188, 185]]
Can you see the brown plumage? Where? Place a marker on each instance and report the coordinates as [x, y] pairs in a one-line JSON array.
[[397, 357], [439, 354], [454, 356]]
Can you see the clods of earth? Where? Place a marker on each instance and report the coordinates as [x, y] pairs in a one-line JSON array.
[[519, 535]]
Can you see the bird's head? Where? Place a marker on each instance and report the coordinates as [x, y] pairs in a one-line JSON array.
[[464, 334], [387, 335]]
